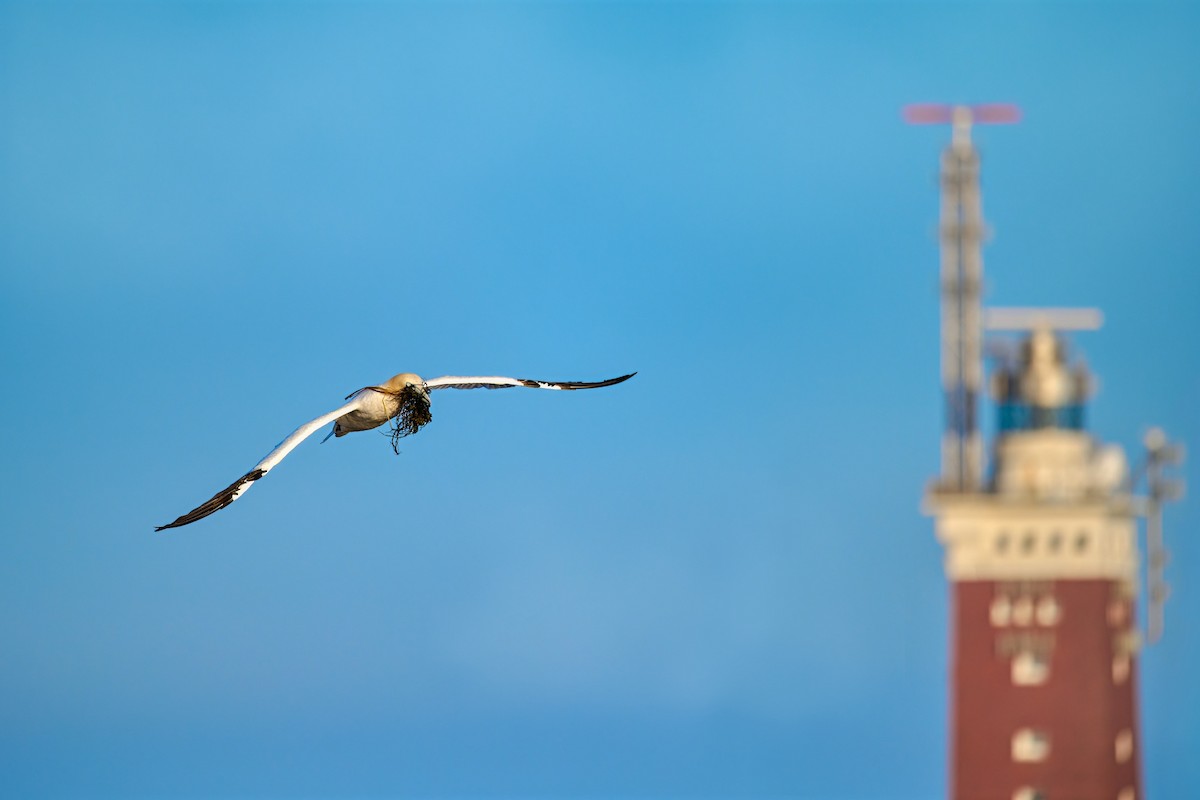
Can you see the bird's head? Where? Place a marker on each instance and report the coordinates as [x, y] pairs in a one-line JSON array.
[[397, 383]]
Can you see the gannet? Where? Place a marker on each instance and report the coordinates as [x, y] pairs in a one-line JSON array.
[[403, 398]]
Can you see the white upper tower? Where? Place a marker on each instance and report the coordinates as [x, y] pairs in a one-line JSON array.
[[1057, 502]]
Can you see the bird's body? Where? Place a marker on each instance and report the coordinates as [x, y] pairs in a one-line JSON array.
[[378, 404], [403, 398], [377, 408]]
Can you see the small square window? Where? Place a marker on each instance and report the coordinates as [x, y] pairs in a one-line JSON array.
[[1000, 612], [1120, 668], [1048, 611], [1030, 745], [1029, 793], [1123, 746], [1030, 668]]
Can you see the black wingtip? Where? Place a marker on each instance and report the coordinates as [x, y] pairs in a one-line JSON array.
[[216, 503], [615, 381], [596, 384]]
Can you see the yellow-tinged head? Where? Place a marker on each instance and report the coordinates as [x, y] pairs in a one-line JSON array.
[[396, 383]]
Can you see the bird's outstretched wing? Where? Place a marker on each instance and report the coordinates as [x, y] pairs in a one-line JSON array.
[[499, 382], [236, 489]]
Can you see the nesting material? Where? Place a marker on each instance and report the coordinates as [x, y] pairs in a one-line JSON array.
[[411, 415]]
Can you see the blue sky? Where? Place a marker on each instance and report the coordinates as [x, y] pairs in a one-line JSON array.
[[218, 218]]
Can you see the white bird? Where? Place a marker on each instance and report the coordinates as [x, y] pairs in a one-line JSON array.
[[403, 398]]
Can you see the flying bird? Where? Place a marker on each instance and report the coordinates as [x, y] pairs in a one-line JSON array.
[[403, 399]]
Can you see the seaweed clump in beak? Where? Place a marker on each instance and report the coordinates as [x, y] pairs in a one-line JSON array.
[[411, 416]]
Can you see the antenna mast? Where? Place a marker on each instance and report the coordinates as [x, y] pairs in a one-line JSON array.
[[961, 231], [1160, 489]]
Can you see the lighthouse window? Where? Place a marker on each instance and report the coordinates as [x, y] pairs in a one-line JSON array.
[[1030, 745], [1048, 611], [1081, 542], [1124, 746], [1120, 668], [1029, 793], [1028, 542], [1025, 417], [1030, 668], [1127, 794], [1054, 543], [1001, 611]]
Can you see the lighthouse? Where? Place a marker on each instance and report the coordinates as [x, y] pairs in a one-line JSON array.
[[1040, 534], [1043, 565]]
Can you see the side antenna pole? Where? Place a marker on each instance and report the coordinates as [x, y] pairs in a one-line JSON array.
[[1160, 489]]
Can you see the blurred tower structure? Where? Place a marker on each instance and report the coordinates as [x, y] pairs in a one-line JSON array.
[[1041, 550]]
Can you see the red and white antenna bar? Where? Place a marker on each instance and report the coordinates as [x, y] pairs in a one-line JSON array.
[[961, 117], [945, 114]]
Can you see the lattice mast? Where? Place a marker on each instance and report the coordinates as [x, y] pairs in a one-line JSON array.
[[962, 232]]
